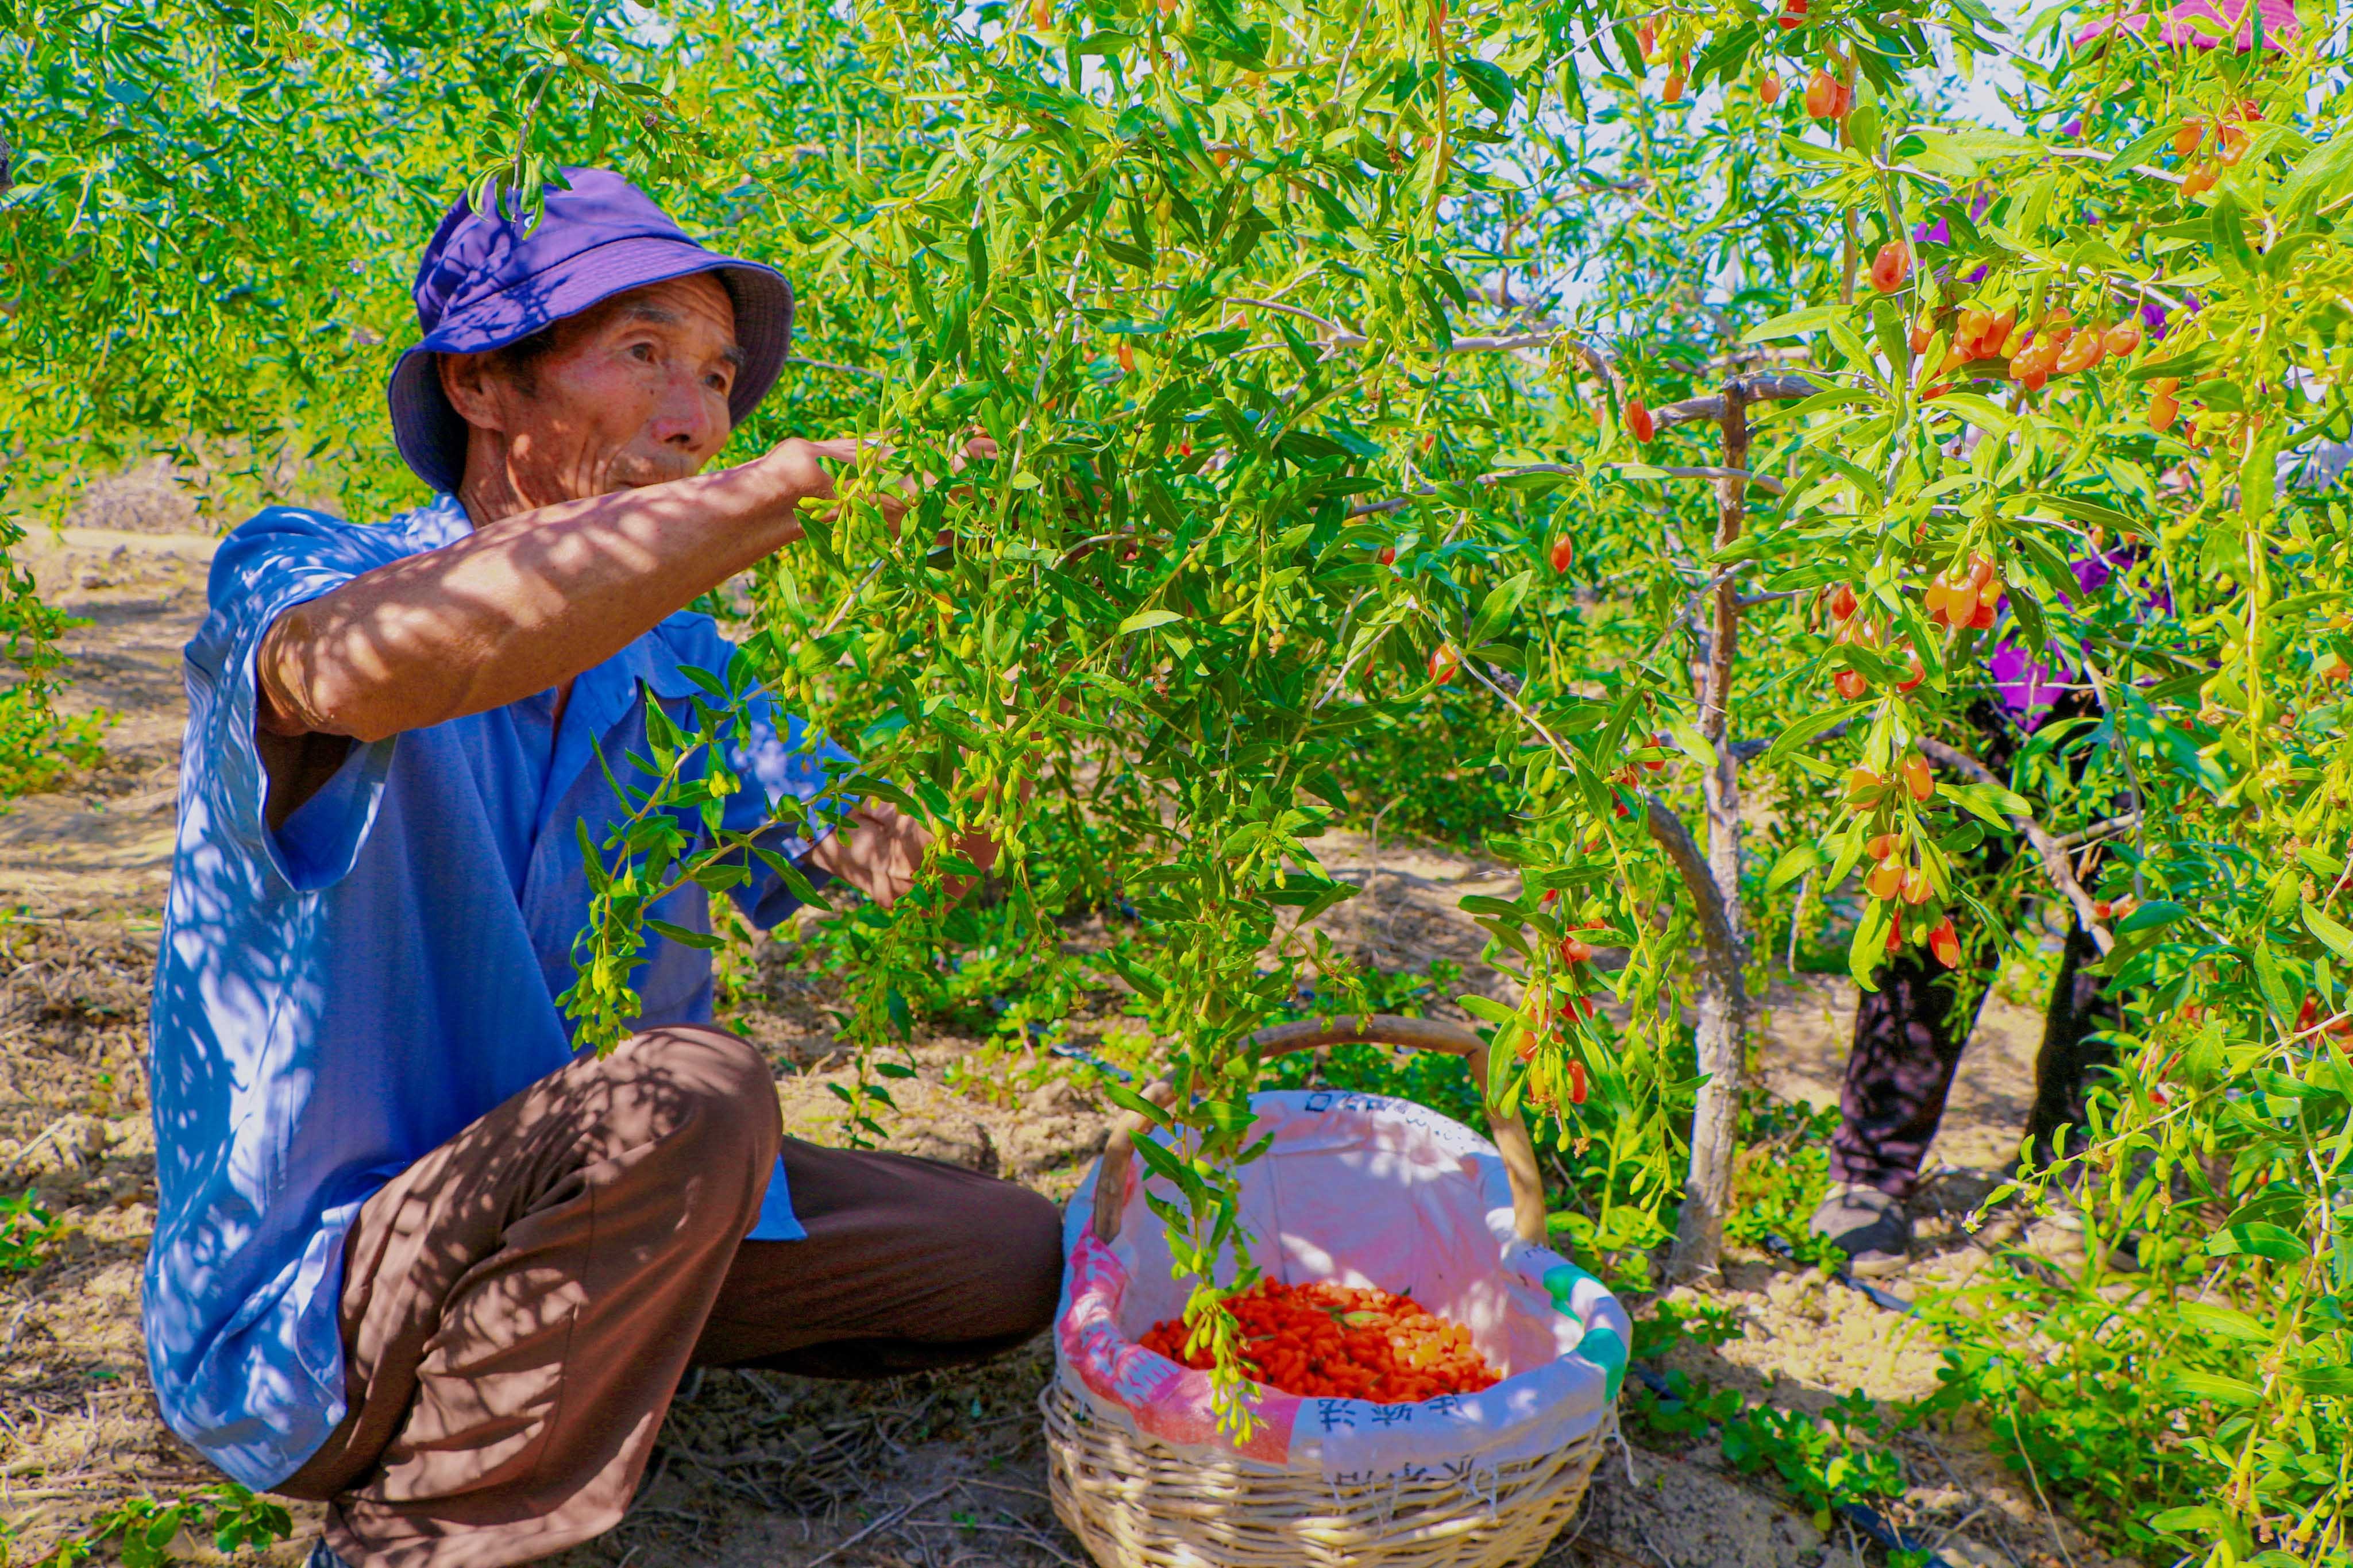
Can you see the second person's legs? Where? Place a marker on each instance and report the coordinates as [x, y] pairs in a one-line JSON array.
[[2070, 1052], [1908, 1036]]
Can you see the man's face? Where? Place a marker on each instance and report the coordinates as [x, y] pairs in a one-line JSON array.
[[631, 393]]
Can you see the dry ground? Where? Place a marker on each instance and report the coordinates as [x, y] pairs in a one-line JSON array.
[[772, 1470]]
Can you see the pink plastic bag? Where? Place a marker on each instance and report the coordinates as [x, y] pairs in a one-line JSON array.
[[1360, 1190]]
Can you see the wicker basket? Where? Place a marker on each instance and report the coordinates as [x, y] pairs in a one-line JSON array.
[[1138, 1503]]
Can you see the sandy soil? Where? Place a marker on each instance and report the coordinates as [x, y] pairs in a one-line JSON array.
[[785, 1472]]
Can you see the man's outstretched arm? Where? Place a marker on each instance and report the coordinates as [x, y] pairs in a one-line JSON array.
[[526, 603]]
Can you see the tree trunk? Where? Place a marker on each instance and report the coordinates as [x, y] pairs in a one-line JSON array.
[[1722, 994]]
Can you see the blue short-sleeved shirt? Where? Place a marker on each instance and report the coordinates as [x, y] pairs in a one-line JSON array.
[[336, 998]]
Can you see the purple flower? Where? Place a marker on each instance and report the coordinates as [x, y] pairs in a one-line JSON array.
[[2153, 315], [1937, 233]]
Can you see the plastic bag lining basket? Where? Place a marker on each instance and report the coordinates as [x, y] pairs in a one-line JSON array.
[[1136, 1502]]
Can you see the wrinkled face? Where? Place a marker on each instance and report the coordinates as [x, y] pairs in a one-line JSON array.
[[631, 393]]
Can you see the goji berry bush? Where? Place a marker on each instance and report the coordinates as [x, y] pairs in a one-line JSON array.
[[1625, 436]]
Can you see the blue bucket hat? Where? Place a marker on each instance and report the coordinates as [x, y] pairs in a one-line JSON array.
[[486, 281]]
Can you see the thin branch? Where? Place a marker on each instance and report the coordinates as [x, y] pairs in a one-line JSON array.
[[1096, 541], [1503, 344], [1394, 503], [2108, 829], [2052, 853], [892, 1518], [1719, 950], [1397, 503], [829, 365], [2155, 173], [1333, 329], [1753, 389], [1766, 482], [1748, 750]]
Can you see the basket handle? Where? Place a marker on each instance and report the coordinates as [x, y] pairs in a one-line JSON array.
[[1374, 1028]]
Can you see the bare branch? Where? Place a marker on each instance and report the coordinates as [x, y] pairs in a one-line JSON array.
[[1334, 331]]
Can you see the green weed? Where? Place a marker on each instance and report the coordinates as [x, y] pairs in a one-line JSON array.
[[25, 1231], [143, 1529]]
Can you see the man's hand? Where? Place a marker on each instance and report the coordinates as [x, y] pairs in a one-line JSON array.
[[795, 464], [797, 467], [879, 851]]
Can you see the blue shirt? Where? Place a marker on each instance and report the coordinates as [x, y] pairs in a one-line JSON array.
[[337, 997]]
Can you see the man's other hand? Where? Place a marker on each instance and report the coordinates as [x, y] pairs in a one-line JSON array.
[[879, 851]]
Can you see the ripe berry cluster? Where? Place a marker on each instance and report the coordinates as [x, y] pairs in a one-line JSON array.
[[1906, 872], [1339, 1342]]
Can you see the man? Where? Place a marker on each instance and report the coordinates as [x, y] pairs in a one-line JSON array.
[[416, 1257]]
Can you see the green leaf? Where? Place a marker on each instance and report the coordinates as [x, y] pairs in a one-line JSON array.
[[1164, 1162], [2328, 1382], [1486, 1007], [2230, 242], [2083, 510], [1501, 601], [1812, 318], [1126, 1098], [2189, 1384], [1979, 411], [1811, 725], [685, 937], [2223, 1323], [1868, 951], [2339, 940], [2200, 1519], [1498, 909], [2182, 367], [1145, 620], [2142, 150], [2149, 916], [2315, 177], [1695, 745], [1488, 83], [2258, 1238], [1793, 863]]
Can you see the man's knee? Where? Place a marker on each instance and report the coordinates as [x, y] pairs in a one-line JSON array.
[[705, 1088], [1027, 1244]]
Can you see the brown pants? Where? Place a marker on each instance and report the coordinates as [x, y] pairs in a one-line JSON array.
[[520, 1304]]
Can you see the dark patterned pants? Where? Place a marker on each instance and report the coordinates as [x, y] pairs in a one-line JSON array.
[[1907, 1042]]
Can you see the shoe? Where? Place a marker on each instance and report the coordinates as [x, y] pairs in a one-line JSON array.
[[1867, 1225], [323, 1556]]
